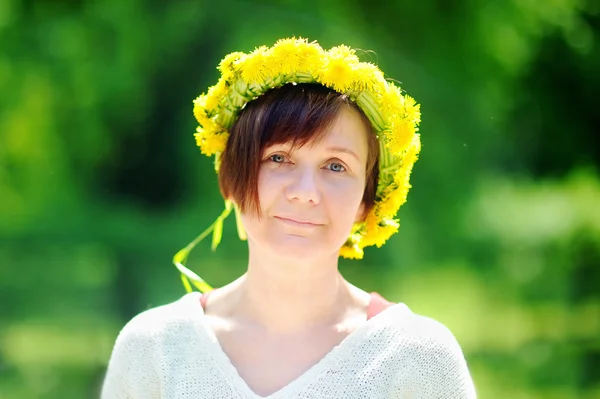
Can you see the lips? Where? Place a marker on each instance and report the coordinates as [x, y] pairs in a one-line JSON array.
[[298, 222]]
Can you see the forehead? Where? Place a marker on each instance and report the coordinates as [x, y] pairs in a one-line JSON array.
[[347, 130]]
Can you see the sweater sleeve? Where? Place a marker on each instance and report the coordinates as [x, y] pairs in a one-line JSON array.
[[447, 368], [439, 369], [130, 373]]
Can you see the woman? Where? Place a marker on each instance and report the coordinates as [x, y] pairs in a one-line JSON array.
[[314, 150]]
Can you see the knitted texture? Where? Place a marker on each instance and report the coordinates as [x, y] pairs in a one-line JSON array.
[[169, 352]]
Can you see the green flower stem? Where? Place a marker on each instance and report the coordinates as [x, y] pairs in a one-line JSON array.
[[188, 276], [367, 103]]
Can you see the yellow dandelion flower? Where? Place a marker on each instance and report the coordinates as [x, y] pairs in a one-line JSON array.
[[338, 70], [200, 108], [212, 102], [216, 142], [389, 228], [209, 141], [310, 56], [386, 208], [399, 136], [201, 116], [229, 64], [412, 110], [389, 205], [273, 67], [345, 53], [215, 94], [369, 77], [204, 121], [337, 74], [371, 220], [284, 57], [381, 233], [351, 252], [371, 223], [392, 101], [412, 153], [252, 67], [200, 136], [402, 178]]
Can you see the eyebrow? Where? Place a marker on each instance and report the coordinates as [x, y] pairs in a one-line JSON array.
[[329, 149], [344, 150]]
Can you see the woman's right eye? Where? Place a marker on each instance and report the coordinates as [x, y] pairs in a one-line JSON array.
[[277, 158]]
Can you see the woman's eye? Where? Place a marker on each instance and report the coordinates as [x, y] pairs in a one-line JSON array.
[[336, 167], [277, 158]]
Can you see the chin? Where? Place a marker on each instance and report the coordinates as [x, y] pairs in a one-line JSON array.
[[300, 248]]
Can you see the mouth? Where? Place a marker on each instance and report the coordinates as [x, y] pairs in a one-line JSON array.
[[295, 222]]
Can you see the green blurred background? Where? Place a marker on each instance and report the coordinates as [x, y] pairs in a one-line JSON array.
[[101, 182]]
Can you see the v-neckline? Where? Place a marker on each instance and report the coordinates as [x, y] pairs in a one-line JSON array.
[[232, 374]]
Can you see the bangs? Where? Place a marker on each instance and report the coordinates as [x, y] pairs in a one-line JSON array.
[[296, 114]]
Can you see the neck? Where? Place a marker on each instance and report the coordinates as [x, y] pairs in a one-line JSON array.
[[286, 297]]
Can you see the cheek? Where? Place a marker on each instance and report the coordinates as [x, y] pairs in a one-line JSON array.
[[267, 188], [346, 197]]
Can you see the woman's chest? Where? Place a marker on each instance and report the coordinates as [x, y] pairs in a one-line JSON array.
[[203, 370], [269, 362], [197, 363]]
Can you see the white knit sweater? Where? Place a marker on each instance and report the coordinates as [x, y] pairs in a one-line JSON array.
[[169, 352]]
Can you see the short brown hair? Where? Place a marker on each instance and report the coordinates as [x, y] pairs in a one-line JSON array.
[[296, 113]]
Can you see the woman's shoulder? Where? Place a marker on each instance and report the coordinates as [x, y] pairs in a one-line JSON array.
[[160, 319], [134, 366], [417, 330], [431, 352], [423, 326]]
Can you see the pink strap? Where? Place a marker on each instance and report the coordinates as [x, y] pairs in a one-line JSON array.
[[204, 298], [377, 305]]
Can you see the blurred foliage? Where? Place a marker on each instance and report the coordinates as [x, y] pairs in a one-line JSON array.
[[101, 183]]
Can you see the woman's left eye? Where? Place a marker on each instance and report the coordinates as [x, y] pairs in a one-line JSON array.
[[336, 167]]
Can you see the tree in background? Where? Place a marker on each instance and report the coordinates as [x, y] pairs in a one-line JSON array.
[[101, 183]]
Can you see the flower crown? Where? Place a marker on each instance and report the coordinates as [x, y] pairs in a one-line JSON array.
[[395, 118]]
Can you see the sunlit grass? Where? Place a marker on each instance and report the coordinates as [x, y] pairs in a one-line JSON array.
[[34, 344]]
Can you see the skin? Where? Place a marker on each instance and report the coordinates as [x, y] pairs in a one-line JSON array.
[[292, 306]]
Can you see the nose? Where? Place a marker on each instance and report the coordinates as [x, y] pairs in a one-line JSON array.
[[303, 186]]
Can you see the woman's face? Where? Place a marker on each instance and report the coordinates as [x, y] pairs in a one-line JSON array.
[[310, 197]]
